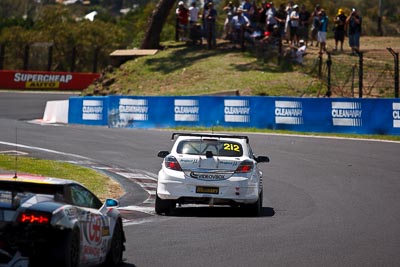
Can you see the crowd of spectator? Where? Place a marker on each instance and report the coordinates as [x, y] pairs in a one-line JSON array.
[[293, 24]]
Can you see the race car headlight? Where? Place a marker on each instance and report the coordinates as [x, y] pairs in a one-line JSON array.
[[172, 163], [30, 217], [245, 166]]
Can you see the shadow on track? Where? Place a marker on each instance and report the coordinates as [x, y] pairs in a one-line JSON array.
[[205, 211]]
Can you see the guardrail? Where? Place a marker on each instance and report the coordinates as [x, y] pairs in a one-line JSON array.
[[335, 115]]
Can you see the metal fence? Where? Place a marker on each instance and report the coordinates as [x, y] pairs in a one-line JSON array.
[[371, 73]]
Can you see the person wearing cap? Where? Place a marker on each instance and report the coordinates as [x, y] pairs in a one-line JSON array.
[[353, 23], [300, 52], [239, 25], [271, 17], [314, 25], [340, 22], [230, 10], [322, 30], [294, 25], [210, 16], [182, 14]]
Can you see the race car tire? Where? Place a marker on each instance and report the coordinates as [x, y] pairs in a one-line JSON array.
[[70, 254], [114, 256], [164, 206], [255, 208]]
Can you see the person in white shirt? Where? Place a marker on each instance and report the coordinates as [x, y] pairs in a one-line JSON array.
[[294, 25], [193, 13], [300, 52]]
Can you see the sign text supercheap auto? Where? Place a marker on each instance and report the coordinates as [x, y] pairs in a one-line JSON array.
[[42, 80]]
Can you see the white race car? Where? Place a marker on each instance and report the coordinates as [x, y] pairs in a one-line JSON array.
[[211, 169], [55, 222]]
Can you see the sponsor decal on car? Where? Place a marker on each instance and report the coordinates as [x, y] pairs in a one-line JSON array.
[[93, 231], [207, 176]]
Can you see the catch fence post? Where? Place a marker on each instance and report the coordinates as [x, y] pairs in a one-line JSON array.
[[26, 57], [73, 59], [320, 66], [2, 57], [328, 78], [50, 58], [396, 71], [95, 58], [360, 74]]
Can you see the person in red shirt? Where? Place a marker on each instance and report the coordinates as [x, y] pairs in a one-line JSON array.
[[182, 14]]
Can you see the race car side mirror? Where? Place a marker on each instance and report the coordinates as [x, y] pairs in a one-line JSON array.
[[162, 154], [261, 159], [110, 202]]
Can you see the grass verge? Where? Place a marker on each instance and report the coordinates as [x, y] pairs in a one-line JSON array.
[[98, 183]]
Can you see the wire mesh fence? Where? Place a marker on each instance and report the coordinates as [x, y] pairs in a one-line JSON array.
[[371, 73]]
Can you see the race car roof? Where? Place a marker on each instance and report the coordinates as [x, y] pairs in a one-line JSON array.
[[201, 135], [31, 178]]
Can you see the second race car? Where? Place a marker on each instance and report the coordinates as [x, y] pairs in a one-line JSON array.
[[55, 222], [214, 169]]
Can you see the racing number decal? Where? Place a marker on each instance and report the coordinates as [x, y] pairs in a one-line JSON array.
[[95, 229], [231, 147]]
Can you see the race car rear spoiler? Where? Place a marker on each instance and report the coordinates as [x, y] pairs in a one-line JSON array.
[[211, 136]]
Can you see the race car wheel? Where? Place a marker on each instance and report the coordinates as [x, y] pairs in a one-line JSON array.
[[255, 209], [70, 249], [164, 206], [114, 256]]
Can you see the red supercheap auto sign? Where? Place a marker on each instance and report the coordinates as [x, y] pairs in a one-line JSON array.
[[16, 79]]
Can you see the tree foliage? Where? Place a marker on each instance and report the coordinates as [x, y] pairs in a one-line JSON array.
[[57, 26], [25, 22]]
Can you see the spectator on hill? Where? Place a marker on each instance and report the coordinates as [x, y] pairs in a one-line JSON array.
[[300, 52], [193, 13], [239, 25], [230, 10], [314, 25], [247, 9], [205, 8], [289, 9], [183, 20], [281, 16], [304, 21], [354, 22], [322, 30], [210, 20], [271, 17], [294, 25], [340, 23]]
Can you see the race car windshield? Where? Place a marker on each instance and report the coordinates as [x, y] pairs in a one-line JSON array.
[[13, 195], [16, 199], [217, 147]]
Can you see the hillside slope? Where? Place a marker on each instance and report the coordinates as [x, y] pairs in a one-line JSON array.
[[193, 70]]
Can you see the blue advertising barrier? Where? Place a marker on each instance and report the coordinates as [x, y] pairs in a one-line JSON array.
[[334, 115]]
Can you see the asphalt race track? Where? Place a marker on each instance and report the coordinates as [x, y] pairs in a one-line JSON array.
[[327, 202]]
